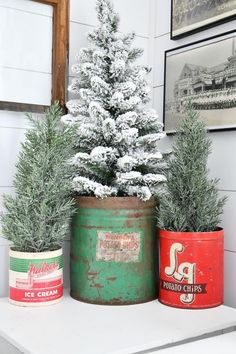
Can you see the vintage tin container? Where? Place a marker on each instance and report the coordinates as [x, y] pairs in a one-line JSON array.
[[191, 269], [114, 251], [35, 279]]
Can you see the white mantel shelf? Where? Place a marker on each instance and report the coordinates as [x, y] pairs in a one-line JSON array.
[[73, 327]]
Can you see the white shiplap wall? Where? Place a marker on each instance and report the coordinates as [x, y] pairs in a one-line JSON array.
[[135, 15], [151, 21], [222, 162], [25, 76], [25, 42]]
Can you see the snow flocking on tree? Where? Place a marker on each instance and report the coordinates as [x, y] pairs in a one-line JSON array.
[[117, 136]]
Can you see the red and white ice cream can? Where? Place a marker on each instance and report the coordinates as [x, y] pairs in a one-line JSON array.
[[35, 279]]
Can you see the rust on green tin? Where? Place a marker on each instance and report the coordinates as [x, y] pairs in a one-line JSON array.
[[114, 251]]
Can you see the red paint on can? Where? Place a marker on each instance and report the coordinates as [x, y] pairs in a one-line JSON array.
[[191, 269], [35, 296]]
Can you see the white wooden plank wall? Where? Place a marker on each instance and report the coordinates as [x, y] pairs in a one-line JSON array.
[[26, 52], [151, 21], [25, 76], [135, 15], [222, 162]]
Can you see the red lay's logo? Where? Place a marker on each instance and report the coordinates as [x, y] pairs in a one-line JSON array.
[[184, 274]]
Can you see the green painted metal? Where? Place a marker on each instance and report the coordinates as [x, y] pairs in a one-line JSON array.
[[114, 251], [22, 264]]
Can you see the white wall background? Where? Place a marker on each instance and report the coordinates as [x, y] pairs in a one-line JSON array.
[[25, 42], [222, 162], [150, 19], [25, 76], [13, 125]]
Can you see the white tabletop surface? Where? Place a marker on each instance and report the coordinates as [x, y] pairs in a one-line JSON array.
[[72, 327], [224, 344]]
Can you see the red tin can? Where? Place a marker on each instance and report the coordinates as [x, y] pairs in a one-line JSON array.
[[191, 269]]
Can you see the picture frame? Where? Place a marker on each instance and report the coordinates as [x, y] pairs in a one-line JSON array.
[[190, 16], [60, 44], [205, 73]]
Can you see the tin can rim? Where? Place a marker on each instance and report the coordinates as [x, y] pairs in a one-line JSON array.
[[184, 235], [35, 255], [115, 202]]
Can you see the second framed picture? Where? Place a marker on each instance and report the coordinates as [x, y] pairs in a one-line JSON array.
[[205, 73], [189, 16]]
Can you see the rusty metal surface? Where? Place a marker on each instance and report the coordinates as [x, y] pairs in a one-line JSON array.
[[114, 251], [114, 302], [115, 203]]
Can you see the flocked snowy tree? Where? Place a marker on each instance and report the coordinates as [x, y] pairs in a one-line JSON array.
[[117, 148]]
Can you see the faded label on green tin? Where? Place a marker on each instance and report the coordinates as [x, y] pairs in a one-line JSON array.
[[118, 246]]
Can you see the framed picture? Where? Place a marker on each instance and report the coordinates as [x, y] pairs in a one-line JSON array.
[[189, 16], [205, 73]]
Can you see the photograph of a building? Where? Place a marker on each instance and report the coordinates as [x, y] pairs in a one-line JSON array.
[[206, 76], [190, 15]]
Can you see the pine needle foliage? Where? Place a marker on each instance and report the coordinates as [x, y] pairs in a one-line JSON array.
[[37, 218], [191, 202], [117, 148]]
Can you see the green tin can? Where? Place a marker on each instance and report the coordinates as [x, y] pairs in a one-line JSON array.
[[114, 251]]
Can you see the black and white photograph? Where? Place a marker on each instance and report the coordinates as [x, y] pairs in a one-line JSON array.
[[205, 74], [190, 16]]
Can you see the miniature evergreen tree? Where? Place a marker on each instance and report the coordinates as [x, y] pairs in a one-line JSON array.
[[37, 218], [190, 202], [117, 147]]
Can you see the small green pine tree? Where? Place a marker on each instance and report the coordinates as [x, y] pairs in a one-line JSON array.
[[190, 202], [38, 217]]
